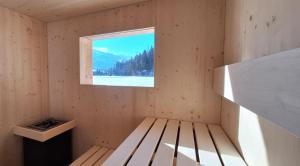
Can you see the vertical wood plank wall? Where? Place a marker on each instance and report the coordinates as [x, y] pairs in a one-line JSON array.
[[189, 44], [255, 28], [23, 79]]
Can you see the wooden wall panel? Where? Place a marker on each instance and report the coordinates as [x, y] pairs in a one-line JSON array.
[[189, 44], [255, 28], [23, 79]]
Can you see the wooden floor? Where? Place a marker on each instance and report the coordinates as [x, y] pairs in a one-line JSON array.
[[163, 142]]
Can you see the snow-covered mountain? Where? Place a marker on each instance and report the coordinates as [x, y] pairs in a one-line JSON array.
[[104, 60]]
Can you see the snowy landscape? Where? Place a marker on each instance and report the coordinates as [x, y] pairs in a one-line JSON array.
[[124, 61], [124, 81]]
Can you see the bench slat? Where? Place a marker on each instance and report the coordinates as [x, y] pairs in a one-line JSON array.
[[206, 149], [103, 158], [92, 160], [228, 153], [166, 149], [144, 153], [125, 150], [186, 154], [85, 156]]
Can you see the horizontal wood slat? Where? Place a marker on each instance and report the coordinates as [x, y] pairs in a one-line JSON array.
[[95, 157], [102, 159], [208, 155], [186, 154], [85, 156], [125, 150], [144, 153], [166, 149], [228, 152], [157, 141]]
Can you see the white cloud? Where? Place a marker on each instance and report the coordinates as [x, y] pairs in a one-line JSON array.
[[102, 49]]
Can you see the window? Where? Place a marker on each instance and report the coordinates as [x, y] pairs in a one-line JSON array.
[[118, 59]]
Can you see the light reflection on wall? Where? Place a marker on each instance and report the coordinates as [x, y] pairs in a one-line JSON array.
[[251, 138], [228, 93], [250, 135]]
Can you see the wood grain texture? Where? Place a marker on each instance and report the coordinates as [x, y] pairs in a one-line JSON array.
[[166, 149], [95, 157], [186, 154], [84, 157], [86, 62], [188, 46], [255, 28], [183, 145], [144, 153], [228, 153], [23, 79], [122, 154], [208, 155], [60, 9], [268, 86], [104, 158]]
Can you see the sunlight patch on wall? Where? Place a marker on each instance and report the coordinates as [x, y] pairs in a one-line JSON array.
[[251, 139], [228, 92]]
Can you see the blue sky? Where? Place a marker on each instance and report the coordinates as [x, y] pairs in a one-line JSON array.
[[127, 46]]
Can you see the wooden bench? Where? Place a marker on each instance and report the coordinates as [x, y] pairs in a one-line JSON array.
[[95, 156], [162, 142]]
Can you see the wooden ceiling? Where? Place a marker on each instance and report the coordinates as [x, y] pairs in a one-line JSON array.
[[52, 10]]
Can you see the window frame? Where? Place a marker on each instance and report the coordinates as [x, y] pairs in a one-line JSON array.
[[86, 53]]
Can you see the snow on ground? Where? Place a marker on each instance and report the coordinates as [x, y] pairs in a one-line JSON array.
[[124, 81]]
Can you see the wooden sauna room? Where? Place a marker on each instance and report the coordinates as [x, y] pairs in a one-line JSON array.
[[149, 82]]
